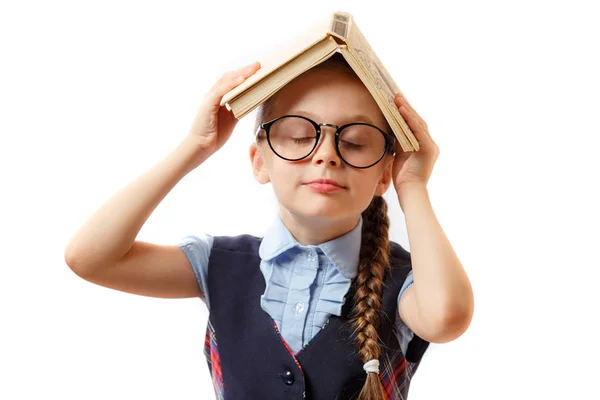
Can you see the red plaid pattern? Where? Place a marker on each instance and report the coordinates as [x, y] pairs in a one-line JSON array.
[[211, 352], [395, 375]]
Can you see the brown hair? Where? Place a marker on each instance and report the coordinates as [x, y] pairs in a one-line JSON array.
[[373, 260], [372, 266]]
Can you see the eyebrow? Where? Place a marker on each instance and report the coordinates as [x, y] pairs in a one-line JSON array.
[[351, 118]]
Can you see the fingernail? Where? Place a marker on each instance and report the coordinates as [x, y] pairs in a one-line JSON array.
[[249, 66]]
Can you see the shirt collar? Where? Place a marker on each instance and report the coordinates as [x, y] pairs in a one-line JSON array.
[[343, 252]]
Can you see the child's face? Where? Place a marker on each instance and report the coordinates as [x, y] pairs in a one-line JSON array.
[[326, 97]]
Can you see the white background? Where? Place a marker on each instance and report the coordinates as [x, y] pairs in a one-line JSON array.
[[93, 94]]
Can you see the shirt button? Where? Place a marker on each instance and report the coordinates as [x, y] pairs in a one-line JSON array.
[[288, 377], [299, 307]]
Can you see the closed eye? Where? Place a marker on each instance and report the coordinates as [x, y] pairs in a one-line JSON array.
[[303, 140], [350, 145]]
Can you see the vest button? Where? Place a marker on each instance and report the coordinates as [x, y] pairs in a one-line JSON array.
[[288, 377]]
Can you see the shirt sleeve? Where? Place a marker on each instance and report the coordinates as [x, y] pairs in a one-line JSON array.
[[197, 250], [405, 335]]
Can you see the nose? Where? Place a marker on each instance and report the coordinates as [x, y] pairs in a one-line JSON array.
[[325, 150]]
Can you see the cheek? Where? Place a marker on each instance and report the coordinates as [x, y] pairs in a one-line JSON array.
[[283, 175], [364, 185]]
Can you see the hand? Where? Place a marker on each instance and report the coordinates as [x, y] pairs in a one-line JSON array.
[[213, 124], [414, 166]]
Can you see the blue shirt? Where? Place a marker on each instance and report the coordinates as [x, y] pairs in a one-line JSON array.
[[304, 284]]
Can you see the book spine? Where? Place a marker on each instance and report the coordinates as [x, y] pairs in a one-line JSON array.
[[340, 22]]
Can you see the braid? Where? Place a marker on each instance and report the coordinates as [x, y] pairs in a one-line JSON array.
[[374, 262]]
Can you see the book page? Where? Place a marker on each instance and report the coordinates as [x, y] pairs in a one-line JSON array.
[[282, 53], [367, 57], [255, 95], [379, 77]]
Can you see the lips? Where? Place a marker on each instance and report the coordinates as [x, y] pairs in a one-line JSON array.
[[324, 181], [324, 185]]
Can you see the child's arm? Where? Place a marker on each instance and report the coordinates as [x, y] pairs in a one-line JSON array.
[[104, 250], [438, 307]]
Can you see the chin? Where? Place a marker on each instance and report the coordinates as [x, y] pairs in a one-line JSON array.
[[319, 213], [322, 208]]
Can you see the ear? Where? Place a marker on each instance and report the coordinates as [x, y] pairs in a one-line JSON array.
[[386, 176], [258, 165]]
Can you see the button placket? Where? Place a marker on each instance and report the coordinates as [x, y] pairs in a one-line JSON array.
[[312, 255]]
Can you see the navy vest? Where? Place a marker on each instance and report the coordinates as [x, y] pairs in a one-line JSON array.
[[249, 359]]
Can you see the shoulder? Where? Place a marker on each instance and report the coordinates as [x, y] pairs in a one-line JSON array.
[[196, 246], [399, 256], [203, 245], [399, 274], [244, 243]]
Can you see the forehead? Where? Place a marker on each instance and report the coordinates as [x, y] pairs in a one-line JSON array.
[[328, 96]]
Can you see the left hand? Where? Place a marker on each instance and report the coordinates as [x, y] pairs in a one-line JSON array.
[[413, 166]]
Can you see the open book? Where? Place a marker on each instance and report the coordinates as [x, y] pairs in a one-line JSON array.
[[336, 32]]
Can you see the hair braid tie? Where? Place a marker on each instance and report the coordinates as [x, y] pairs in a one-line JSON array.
[[372, 366]]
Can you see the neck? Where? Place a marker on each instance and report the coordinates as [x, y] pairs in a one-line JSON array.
[[316, 230]]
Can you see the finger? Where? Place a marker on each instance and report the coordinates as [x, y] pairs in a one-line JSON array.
[[245, 71], [401, 100], [422, 134], [230, 80], [413, 122], [404, 108], [416, 122], [220, 89]]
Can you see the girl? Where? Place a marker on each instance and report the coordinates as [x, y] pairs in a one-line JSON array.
[[315, 307]]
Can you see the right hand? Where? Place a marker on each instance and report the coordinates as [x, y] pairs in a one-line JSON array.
[[213, 124]]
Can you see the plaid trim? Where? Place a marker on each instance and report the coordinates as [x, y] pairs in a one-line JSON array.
[[289, 349], [211, 352], [395, 377]]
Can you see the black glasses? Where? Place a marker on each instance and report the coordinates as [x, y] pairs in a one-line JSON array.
[[294, 137]]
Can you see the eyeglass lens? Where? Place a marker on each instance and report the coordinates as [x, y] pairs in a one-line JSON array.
[[294, 138]]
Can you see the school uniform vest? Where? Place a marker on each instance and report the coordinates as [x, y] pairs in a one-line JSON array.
[[249, 359]]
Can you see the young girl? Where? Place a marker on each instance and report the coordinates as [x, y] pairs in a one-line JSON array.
[[323, 306]]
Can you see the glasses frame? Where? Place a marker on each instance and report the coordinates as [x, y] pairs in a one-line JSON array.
[[389, 139]]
